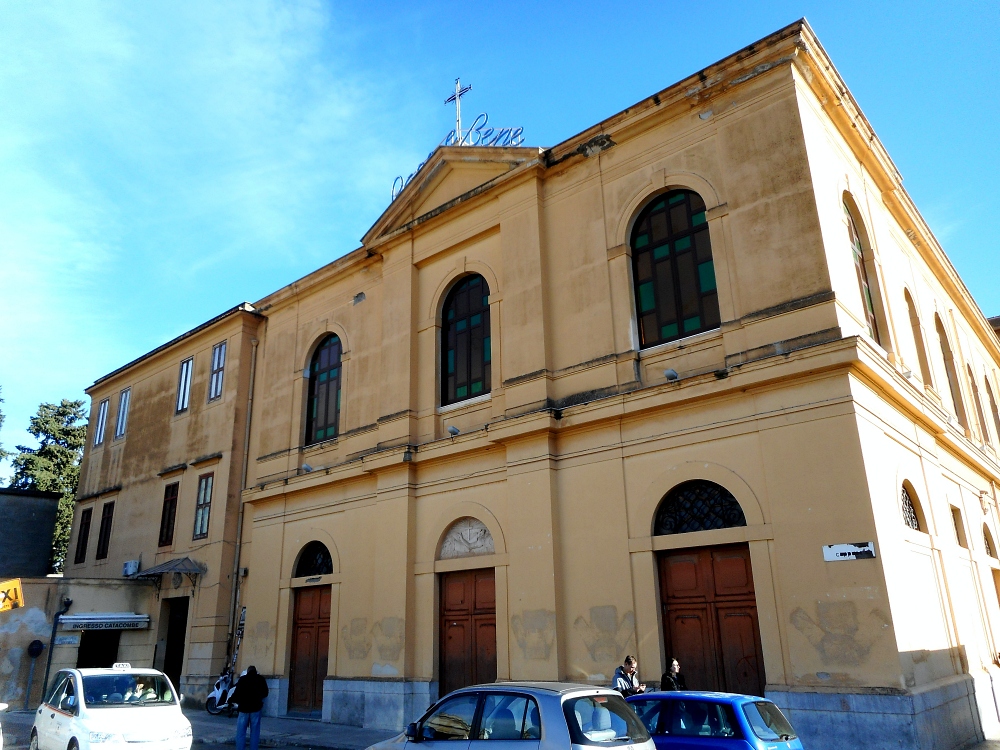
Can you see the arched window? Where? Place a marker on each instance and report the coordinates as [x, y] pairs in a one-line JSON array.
[[918, 340], [314, 560], [912, 514], [993, 407], [859, 266], [323, 408], [465, 341], [672, 268], [979, 406], [697, 505], [988, 543], [951, 373]]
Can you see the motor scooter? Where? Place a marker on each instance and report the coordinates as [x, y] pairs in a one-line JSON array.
[[219, 699]]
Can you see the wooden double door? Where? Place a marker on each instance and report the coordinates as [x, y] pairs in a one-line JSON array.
[[710, 618], [468, 616], [310, 648]]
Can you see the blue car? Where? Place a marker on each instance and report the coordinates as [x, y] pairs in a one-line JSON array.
[[713, 721]]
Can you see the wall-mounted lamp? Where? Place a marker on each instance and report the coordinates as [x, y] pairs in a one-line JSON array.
[[671, 374], [453, 430]]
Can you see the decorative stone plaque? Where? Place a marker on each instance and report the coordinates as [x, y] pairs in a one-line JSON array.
[[467, 537]]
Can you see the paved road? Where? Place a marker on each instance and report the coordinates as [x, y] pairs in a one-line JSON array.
[[221, 730]]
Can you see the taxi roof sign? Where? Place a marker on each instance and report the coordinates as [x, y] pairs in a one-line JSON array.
[[121, 665], [10, 594]]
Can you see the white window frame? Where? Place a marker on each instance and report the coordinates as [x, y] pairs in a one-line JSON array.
[[218, 371], [102, 422], [184, 385], [203, 506], [121, 421]]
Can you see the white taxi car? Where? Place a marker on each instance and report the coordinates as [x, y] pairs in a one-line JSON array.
[[106, 708]]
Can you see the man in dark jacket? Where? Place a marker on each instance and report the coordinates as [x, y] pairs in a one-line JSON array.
[[249, 695], [626, 680]]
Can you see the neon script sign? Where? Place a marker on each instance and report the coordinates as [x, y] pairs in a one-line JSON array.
[[479, 134]]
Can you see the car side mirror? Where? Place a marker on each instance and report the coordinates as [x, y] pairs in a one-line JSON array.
[[68, 703], [412, 732]]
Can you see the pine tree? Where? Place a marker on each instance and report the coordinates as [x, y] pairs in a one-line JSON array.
[[54, 466]]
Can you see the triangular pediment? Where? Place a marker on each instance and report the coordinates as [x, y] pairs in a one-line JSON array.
[[448, 174]]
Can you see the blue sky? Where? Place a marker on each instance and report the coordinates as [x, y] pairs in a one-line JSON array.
[[163, 161]]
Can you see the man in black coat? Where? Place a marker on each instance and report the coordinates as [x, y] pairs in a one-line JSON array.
[[249, 695]]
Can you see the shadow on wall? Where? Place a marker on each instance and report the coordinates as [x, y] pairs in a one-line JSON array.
[[18, 628], [607, 637], [840, 634]]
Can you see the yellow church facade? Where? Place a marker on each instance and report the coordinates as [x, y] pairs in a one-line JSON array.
[[698, 382]]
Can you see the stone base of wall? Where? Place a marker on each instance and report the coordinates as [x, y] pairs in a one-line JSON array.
[[195, 689], [377, 704], [942, 715], [276, 702]]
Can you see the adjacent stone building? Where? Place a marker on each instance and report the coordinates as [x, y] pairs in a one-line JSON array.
[[697, 382]]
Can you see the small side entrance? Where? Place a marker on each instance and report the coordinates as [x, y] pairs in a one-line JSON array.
[[710, 618], [310, 649], [98, 648], [468, 617], [175, 610]]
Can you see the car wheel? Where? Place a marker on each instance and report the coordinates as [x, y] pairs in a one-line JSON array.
[[33, 745], [211, 707]]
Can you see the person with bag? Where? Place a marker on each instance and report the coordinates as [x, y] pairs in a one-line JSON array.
[[249, 695]]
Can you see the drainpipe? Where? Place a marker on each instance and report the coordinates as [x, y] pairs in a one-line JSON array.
[[52, 639], [243, 483]]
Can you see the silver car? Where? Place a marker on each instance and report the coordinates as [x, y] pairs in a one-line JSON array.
[[525, 716]]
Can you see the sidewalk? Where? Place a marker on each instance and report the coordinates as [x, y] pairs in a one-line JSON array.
[[221, 730]]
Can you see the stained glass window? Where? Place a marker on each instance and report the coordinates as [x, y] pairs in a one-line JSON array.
[[909, 511], [465, 341], [988, 542], [698, 505], [859, 267], [673, 270], [323, 411], [314, 560]]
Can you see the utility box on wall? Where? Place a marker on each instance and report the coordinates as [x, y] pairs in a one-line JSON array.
[[29, 517]]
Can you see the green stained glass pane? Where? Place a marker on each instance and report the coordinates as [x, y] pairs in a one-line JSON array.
[[315, 404], [477, 387], [451, 315], [659, 205], [334, 372], [315, 367], [331, 431], [706, 276], [646, 300], [642, 240], [661, 252], [319, 434], [461, 325], [692, 324], [451, 361], [323, 376], [668, 331], [486, 300], [682, 244], [676, 198], [698, 218], [461, 391], [476, 319], [486, 349]]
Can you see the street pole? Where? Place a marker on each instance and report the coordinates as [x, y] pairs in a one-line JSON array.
[[55, 624]]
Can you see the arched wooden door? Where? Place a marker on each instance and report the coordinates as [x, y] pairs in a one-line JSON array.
[[710, 618], [310, 648]]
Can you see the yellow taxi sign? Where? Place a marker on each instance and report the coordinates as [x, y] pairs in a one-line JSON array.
[[10, 594]]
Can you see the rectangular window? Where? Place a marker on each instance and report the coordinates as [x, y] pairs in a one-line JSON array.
[[102, 422], [84, 535], [123, 399], [168, 515], [218, 366], [104, 536], [184, 384], [203, 506]]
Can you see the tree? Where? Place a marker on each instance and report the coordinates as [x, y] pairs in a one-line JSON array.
[[54, 466]]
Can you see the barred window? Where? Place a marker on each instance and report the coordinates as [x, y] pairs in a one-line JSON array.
[[325, 376], [184, 384], [218, 368], [83, 536], [102, 422], [104, 535], [909, 511], [168, 515], [698, 505], [203, 506], [314, 560], [465, 341]]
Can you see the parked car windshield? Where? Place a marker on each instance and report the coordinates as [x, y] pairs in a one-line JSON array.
[[115, 690], [603, 720], [767, 721]]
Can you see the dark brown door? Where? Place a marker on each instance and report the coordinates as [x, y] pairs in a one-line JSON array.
[[710, 618], [310, 647], [468, 629]]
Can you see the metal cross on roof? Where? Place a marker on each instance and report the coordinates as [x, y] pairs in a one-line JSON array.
[[460, 91]]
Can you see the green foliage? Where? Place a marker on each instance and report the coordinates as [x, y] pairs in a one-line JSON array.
[[54, 466]]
